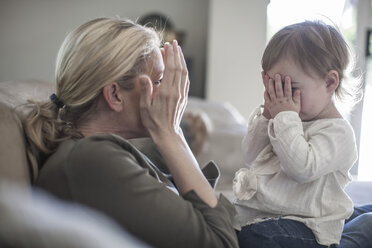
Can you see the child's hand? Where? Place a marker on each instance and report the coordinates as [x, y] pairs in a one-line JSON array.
[[278, 99], [265, 80]]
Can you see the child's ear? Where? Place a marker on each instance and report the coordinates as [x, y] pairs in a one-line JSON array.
[[332, 81]]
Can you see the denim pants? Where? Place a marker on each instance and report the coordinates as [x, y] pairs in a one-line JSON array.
[[275, 233], [358, 229]]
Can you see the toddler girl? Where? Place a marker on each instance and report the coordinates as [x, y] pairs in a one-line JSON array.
[[298, 147]]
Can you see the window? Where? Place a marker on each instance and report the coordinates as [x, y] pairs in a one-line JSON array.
[[365, 154]]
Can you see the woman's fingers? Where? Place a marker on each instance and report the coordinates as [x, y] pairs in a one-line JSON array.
[[176, 79], [146, 94], [168, 76], [173, 66], [185, 83], [178, 68]]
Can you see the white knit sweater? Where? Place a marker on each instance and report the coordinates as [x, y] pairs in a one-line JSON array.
[[297, 170]]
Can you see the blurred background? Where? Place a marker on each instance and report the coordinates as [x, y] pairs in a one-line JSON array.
[[222, 41]]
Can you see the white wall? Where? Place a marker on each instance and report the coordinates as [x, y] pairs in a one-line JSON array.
[[237, 38], [31, 31]]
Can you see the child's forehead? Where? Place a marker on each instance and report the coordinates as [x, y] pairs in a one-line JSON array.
[[284, 66], [287, 66]]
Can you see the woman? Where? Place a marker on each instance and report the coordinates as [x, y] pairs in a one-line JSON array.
[[114, 83]]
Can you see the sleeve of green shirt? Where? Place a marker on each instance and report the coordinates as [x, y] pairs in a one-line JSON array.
[[110, 175]]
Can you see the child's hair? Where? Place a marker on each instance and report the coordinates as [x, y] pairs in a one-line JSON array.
[[316, 47], [95, 54]]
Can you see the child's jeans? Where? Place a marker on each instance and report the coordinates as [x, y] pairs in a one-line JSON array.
[[275, 233], [357, 229]]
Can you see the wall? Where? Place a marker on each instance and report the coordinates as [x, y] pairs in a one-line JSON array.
[[237, 38], [31, 31]]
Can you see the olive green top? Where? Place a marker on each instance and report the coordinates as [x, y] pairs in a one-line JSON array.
[[109, 174]]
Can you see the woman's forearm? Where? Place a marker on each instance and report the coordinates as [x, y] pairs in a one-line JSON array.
[[184, 167]]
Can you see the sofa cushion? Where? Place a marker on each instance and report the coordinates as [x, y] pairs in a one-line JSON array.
[[15, 93], [13, 159], [15, 163]]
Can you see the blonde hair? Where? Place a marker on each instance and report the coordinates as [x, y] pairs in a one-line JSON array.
[[97, 53], [316, 47]]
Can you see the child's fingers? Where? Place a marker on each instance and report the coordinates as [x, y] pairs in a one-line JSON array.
[[278, 86], [271, 89], [267, 97], [265, 80], [297, 97], [287, 87]]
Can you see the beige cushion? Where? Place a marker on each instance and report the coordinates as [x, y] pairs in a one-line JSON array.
[[13, 159], [14, 93], [14, 163]]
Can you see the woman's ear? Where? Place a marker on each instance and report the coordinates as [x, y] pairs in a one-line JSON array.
[[332, 81], [113, 97]]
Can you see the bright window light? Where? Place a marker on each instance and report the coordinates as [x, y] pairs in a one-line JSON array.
[[365, 155], [281, 13]]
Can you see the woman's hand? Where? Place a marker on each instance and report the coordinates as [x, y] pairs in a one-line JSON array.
[[162, 111], [279, 98]]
